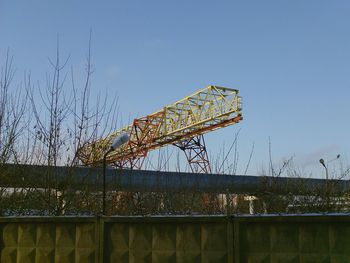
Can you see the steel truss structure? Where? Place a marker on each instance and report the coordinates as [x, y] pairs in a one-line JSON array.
[[196, 154], [182, 123]]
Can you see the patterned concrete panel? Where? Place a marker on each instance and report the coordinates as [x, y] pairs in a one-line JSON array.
[[36, 242], [284, 238], [166, 242], [339, 238], [314, 238], [296, 239], [164, 237], [294, 242]]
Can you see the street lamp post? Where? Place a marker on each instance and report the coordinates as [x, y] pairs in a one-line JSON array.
[[326, 165], [118, 142], [328, 186]]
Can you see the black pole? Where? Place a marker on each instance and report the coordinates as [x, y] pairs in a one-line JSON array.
[[104, 182]]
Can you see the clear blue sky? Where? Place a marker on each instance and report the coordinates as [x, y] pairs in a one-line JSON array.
[[289, 59]]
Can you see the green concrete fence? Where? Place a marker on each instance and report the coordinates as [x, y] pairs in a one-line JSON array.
[[306, 239]]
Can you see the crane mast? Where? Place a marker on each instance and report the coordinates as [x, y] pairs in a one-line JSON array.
[[181, 123]]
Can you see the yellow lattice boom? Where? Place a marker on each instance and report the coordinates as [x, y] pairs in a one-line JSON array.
[[206, 110]]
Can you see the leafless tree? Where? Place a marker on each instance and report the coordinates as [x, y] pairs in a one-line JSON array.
[[12, 108]]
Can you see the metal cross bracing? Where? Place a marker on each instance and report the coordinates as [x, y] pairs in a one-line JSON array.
[[196, 153], [197, 158], [180, 123]]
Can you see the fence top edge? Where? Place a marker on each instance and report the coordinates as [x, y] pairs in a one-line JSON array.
[[166, 218], [293, 217], [112, 219], [175, 218], [48, 219]]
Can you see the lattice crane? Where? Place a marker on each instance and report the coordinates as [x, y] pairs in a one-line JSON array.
[[182, 124]]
